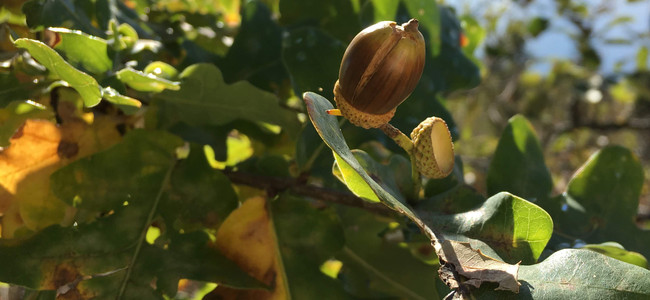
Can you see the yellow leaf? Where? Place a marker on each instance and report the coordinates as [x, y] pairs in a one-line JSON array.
[[37, 150], [248, 238]]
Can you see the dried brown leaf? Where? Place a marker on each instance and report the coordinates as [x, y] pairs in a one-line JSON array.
[[477, 267]]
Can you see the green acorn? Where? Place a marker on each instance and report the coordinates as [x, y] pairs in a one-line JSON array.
[[380, 68], [433, 149]]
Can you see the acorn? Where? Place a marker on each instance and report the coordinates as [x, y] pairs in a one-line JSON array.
[[433, 149], [380, 68]]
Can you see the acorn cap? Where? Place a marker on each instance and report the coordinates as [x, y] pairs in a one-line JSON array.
[[433, 149], [357, 117], [380, 69]]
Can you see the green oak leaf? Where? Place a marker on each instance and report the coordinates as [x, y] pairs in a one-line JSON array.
[[68, 13], [313, 59], [376, 267], [601, 201], [428, 14], [199, 196], [247, 60], [382, 174], [336, 17], [127, 171], [83, 50], [204, 99], [11, 89], [142, 82], [384, 10], [577, 274], [127, 104], [615, 250], [327, 127], [83, 83], [518, 164], [516, 229]]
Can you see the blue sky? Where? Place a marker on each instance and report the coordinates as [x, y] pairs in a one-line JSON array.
[[556, 42]]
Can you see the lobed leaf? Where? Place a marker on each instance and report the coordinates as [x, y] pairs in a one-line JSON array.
[[204, 99]]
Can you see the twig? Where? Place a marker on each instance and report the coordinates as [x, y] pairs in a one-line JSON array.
[[275, 185]]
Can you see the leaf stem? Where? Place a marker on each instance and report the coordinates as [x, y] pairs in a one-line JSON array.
[[405, 143], [143, 234]]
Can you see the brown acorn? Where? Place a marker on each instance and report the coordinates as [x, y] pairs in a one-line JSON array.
[[380, 68], [433, 149]]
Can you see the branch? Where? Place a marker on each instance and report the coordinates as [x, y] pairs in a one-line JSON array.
[[275, 185]]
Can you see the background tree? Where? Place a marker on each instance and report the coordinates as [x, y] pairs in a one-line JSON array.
[[165, 150]]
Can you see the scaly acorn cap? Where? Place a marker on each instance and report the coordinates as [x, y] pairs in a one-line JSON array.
[[433, 149], [380, 69]]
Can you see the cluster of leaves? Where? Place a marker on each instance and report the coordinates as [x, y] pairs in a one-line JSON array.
[[122, 177]]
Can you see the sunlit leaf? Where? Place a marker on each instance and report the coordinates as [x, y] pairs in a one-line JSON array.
[[281, 243], [615, 250], [429, 16], [515, 228], [85, 84], [142, 82], [353, 180], [385, 10], [380, 173], [80, 49], [128, 105], [37, 150]]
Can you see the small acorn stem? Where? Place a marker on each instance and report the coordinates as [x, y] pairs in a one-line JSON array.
[[334, 112], [400, 138], [405, 143]]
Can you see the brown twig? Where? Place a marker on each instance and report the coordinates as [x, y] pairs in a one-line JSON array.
[[275, 185]]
